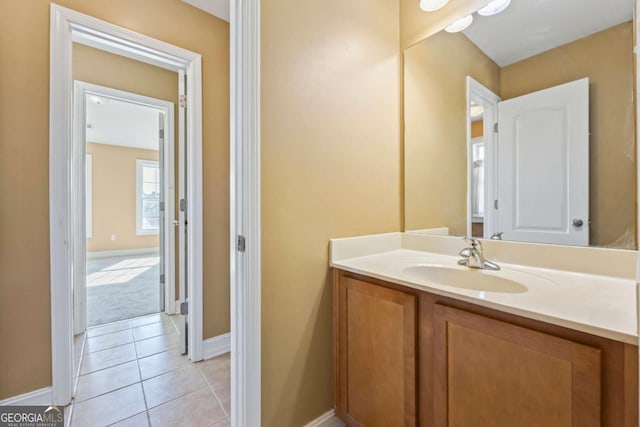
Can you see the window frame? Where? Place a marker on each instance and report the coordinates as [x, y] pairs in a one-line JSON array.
[[140, 164]]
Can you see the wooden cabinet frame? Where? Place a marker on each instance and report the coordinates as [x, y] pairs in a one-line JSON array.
[[619, 361]]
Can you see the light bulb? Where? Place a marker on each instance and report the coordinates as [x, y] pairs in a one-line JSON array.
[[460, 25], [493, 8], [432, 5]]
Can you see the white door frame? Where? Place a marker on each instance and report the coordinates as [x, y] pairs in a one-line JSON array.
[[245, 214], [68, 26], [489, 100], [78, 151]]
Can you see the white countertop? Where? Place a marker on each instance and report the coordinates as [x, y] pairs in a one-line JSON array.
[[595, 304]]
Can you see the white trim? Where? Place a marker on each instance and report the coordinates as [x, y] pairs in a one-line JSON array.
[[141, 163], [245, 213], [482, 95], [328, 419], [42, 396], [637, 100], [88, 206], [123, 253], [216, 346], [68, 26]]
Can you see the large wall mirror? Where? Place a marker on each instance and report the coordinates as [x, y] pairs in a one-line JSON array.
[[522, 126]]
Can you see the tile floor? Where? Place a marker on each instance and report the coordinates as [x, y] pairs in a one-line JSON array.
[[131, 374]]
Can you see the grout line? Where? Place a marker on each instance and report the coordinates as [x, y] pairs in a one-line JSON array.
[[124, 419], [215, 395]]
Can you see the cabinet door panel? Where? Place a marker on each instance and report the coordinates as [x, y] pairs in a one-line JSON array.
[[376, 350], [492, 373]]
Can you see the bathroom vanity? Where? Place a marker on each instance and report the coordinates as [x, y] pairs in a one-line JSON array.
[[421, 341]]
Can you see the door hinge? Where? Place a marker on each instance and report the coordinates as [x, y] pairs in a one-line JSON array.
[[495, 127], [242, 244], [184, 308], [495, 204], [183, 205], [161, 133], [182, 100], [161, 206], [162, 279]]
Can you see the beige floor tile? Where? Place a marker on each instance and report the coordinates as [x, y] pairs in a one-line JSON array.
[[225, 422], [108, 328], [153, 330], [102, 359], [224, 395], [166, 387], [175, 320], [107, 380], [146, 320], [156, 344], [198, 408], [109, 408], [217, 371], [160, 363], [140, 420], [103, 342], [78, 343]]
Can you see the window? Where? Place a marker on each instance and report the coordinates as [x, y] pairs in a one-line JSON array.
[[147, 197], [88, 197]]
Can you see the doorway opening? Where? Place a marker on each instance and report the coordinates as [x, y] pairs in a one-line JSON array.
[[128, 193]]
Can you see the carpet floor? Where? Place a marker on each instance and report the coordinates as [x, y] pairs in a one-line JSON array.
[[121, 288]]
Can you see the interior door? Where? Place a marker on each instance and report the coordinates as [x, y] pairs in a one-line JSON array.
[[182, 215], [543, 166]]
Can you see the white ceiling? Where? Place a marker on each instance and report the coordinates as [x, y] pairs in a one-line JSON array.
[[219, 8], [529, 27], [122, 123]]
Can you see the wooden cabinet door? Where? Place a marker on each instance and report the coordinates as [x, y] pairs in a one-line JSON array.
[[375, 354], [494, 374]]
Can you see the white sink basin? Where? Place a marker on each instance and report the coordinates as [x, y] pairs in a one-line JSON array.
[[475, 280]]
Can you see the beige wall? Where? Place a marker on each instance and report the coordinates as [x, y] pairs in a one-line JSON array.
[[607, 59], [416, 24], [24, 149], [113, 190], [435, 147], [477, 129], [330, 168]]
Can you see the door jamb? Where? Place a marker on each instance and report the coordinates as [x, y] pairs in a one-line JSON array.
[[68, 26], [78, 152], [482, 95], [245, 214]]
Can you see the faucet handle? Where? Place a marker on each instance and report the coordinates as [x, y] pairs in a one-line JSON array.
[[475, 243]]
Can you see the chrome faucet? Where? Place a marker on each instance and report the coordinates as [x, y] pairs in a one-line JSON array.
[[473, 257]]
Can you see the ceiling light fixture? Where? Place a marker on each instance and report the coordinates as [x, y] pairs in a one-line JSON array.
[[493, 8], [460, 25], [432, 5]]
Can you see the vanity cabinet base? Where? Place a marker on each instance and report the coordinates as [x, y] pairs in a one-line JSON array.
[[403, 357]]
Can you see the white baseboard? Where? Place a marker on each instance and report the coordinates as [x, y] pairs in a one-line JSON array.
[[123, 252], [44, 396], [328, 419], [216, 346]]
